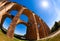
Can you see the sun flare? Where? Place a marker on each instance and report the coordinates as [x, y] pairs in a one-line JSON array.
[[44, 4]]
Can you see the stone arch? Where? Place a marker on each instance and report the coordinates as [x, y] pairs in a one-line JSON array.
[[24, 24], [33, 32], [13, 6], [13, 12], [24, 18], [10, 32], [33, 27], [3, 18], [6, 24]]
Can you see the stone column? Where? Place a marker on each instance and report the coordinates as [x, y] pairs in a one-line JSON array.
[[32, 30], [13, 24]]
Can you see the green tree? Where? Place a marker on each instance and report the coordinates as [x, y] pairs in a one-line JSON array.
[[55, 27]]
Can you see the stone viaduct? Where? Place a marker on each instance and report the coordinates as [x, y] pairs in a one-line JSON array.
[[33, 31]]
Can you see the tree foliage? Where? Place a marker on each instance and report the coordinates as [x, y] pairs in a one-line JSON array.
[[55, 27]]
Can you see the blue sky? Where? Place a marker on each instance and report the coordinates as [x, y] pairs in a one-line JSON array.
[[48, 10]]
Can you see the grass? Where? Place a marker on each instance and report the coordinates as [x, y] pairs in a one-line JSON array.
[[3, 37], [56, 38]]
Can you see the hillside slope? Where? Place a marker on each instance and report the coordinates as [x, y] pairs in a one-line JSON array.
[[4, 38], [56, 38], [53, 37]]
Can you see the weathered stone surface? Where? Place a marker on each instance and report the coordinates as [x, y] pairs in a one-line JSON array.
[[36, 27]]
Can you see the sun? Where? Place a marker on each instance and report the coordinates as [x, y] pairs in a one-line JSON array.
[[44, 4]]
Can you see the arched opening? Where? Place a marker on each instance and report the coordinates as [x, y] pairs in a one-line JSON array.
[[13, 12], [20, 29], [6, 24], [24, 18]]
